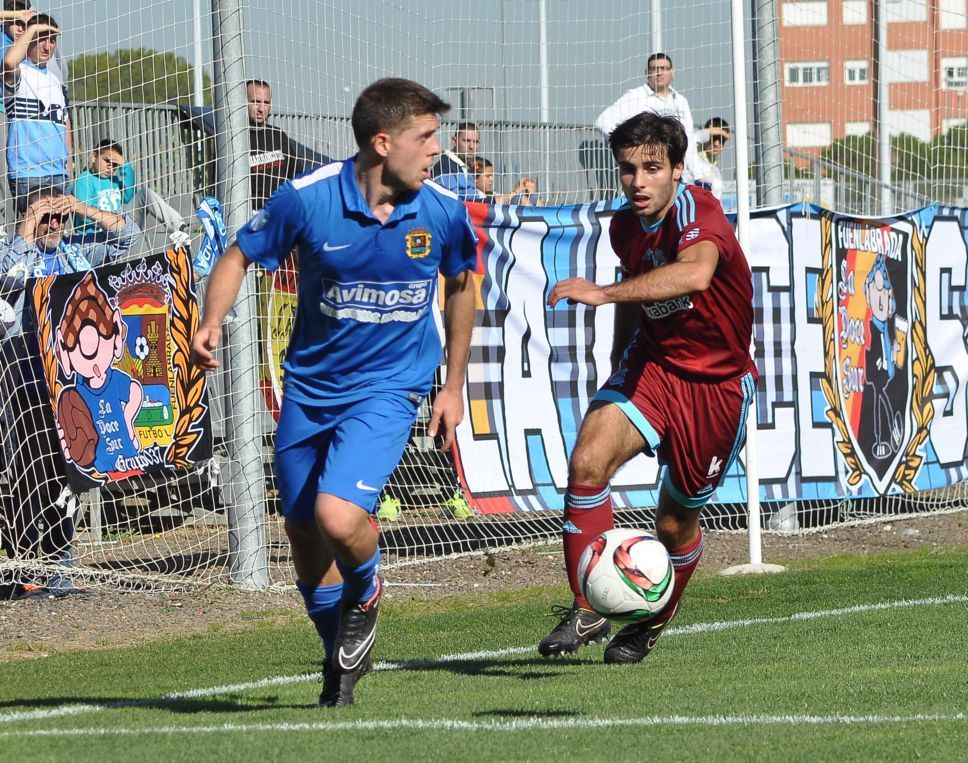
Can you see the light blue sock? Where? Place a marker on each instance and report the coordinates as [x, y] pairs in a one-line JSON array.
[[359, 583], [323, 608]]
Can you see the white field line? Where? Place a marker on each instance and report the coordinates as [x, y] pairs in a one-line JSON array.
[[518, 724], [714, 627]]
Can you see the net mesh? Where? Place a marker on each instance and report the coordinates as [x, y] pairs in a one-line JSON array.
[[533, 77]]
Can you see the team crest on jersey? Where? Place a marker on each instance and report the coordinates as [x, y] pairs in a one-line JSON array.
[[418, 243]]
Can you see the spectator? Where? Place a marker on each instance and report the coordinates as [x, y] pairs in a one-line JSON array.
[[108, 183], [525, 193], [38, 129], [656, 95], [273, 157], [14, 16], [708, 173], [38, 513], [454, 169]]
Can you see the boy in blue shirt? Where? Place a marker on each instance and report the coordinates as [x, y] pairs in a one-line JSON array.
[[108, 183], [372, 233]]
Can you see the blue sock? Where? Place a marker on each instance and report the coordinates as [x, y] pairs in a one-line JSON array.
[[323, 608], [359, 583]]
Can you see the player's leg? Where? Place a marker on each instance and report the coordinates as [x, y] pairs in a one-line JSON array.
[[700, 445], [678, 528], [365, 448], [301, 446], [606, 440]]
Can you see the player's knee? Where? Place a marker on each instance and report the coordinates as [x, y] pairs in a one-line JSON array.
[[342, 525], [586, 467], [303, 536]]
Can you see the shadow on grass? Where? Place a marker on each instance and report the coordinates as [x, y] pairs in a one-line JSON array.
[[506, 667], [181, 706]]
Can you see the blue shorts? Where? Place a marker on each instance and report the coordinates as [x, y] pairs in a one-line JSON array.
[[348, 450]]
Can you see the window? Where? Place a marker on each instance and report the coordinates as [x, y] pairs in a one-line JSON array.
[[807, 74], [855, 12], [808, 135], [804, 14], [906, 66], [855, 72], [954, 73], [953, 14], [906, 10], [857, 128]]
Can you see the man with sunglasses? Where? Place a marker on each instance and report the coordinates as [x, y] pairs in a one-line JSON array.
[[38, 516], [38, 123]]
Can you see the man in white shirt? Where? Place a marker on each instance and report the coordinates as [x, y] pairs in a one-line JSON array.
[[657, 96]]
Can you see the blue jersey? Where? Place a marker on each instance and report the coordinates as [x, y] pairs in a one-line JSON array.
[[364, 319]]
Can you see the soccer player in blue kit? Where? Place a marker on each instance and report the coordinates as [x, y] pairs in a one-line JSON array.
[[372, 233]]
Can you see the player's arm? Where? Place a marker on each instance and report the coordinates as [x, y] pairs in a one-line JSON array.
[[690, 273], [459, 306], [223, 288]]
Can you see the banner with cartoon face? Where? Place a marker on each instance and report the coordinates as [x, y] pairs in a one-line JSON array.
[[114, 344]]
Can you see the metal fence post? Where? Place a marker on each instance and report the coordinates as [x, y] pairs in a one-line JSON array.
[[766, 104], [246, 478]]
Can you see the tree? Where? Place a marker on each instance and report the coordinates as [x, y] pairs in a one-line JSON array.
[[138, 75]]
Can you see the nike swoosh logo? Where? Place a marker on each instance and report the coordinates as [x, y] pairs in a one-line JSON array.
[[582, 631], [650, 644], [350, 662], [361, 486], [327, 247]]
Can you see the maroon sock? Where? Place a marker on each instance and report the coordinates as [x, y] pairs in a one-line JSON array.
[[588, 513], [684, 562]]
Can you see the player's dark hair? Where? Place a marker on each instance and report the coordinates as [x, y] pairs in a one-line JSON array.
[[482, 163], [388, 104], [16, 5], [257, 83], [106, 144], [658, 57], [465, 127], [650, 129]]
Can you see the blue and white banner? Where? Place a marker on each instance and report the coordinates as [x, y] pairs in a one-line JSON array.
[[859, 332]]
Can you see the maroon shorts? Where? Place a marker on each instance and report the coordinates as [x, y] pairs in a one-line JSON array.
[[695, 428]]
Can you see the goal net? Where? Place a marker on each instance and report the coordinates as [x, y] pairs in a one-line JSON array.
[[854, 107]]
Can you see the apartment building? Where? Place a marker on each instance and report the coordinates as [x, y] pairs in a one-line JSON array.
[[828, 68]]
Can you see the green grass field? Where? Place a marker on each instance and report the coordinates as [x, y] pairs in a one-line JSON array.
[[839, 659]]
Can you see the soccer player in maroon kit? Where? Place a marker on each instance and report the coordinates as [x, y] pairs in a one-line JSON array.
[[684, 383]]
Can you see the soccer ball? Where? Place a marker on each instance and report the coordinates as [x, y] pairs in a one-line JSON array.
[[626, 574]]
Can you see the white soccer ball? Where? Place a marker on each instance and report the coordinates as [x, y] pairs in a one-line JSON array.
[[626, 574]]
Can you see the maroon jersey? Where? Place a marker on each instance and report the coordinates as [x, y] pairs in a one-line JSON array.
[[704, 336]]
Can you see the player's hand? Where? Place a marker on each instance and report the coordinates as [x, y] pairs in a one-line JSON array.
[[577, 290], [447, 413], [204, 344]]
